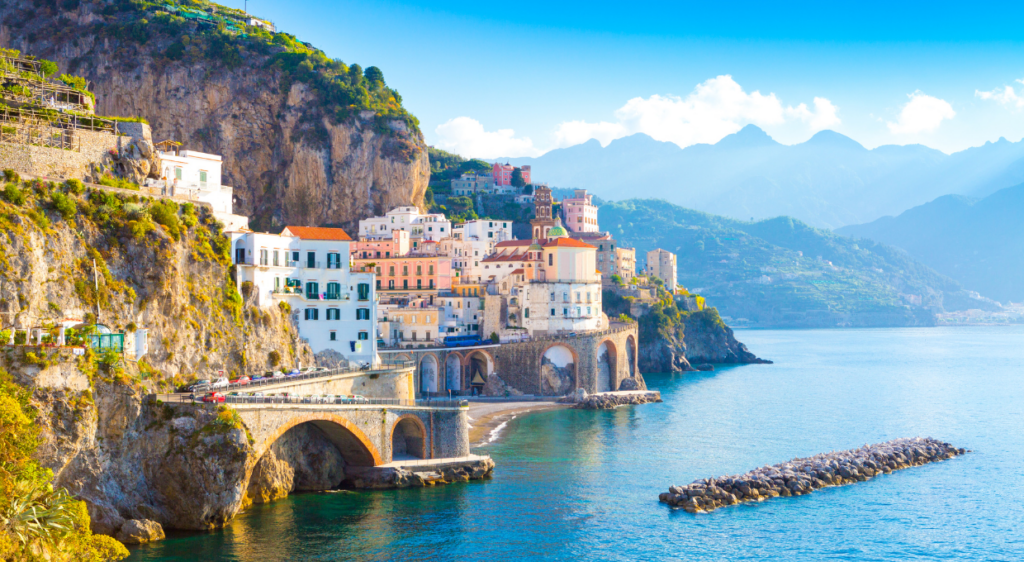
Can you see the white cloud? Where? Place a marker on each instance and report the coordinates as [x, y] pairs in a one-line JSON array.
[[922, 114], [717, 107], [466, 136], [1005, 96], [823, 116]]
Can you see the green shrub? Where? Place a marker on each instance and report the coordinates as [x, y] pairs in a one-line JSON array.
[[11, 175], [165, 212], [74, 186], [121, 183], [274, 357], [48, 67], [63, 204], [14, 195]]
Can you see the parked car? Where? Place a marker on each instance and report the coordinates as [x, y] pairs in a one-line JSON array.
[[214, 397], [220, 383], [277, 375], [294, 372], [321, 370], [256, 394], [329, 399], [241, 380], [259, 377], [199, 385], [359, 399]]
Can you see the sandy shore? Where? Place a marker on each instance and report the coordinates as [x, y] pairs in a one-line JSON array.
[[487, 419]]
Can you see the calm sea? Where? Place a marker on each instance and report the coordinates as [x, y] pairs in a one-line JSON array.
[[584, 485]]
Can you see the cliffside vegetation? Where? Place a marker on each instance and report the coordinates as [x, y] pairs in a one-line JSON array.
[[782, 272], [219, 36], [127, 261], [305, 139], [38, 522]]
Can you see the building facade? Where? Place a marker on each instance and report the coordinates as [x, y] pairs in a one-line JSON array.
[[420, 226], [471, 184], [409, 274], [579, 213], [543, 220], [502, 174], [662, 264], [308, 267]]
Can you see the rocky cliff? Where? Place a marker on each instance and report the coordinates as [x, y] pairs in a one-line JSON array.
[[294, 151], [674, 340], [67, 253]]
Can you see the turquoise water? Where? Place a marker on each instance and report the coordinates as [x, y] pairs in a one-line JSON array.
[[584, 485]]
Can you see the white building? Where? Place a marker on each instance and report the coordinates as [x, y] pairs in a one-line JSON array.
[[552, 286], [308, 267], [484, 229], [419, 226], [196, 176], [662, 264], [471, 184], [467, 256], [459, 315]]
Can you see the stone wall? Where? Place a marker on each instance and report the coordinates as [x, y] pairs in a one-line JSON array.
[[92, 147], [519, 364], [386, 384]]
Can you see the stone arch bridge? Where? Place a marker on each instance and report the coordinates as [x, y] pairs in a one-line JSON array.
[[365, 435], [597, 361]]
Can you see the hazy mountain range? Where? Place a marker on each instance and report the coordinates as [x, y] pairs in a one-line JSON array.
[[781, 272], [980, 243], [829, 181]]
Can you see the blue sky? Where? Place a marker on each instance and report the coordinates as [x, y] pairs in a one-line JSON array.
[[520, 78]]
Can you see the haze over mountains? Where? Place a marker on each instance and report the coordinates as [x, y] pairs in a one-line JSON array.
[[980, 243], [829, 181]]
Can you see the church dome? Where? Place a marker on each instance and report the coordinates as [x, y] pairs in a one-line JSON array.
[[557, 231]]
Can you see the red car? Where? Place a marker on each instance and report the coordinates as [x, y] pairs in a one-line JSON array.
[[214, 397], [241, 380]]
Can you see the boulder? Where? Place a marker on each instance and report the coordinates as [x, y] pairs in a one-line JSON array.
[[140, 531]]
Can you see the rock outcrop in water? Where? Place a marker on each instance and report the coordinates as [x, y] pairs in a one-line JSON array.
[[612, 400], [802, 476]]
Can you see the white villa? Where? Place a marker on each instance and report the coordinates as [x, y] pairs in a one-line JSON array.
[[420, 226], [196, 176], [309, 268]]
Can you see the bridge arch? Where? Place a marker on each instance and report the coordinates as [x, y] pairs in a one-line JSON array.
[[607, 367], [355, 447], [479, 364], [631, 355], [428, 373], [453, 371], [408, 438], [558, 364]]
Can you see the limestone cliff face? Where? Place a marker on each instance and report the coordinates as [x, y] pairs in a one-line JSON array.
[[183, 466], [287, 160], [701, 337], [180, 291]]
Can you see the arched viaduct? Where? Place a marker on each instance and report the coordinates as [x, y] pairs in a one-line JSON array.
[[549, 366]]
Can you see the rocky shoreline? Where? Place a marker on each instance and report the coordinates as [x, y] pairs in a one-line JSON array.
[[802, 476], [387, 477]]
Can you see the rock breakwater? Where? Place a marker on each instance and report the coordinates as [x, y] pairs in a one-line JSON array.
[[802, 476], [610, 400]]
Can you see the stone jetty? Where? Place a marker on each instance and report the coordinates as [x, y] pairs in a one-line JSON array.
[[802, 476], [610, 400]]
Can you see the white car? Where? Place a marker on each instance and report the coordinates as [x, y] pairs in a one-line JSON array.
[[277, 375], [359, 399], [220, 383]]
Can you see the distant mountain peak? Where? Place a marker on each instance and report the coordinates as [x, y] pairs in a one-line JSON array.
[[750, 136], [831, 139]]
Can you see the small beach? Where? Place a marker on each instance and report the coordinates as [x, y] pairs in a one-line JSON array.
[[488, 419]]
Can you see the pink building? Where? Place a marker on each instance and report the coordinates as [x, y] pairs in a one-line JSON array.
[[579, 212], [368, 248], [502, 174]]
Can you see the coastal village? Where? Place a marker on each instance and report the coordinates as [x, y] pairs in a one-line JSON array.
[[384, 331]]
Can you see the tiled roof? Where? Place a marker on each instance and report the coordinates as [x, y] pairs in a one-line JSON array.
[[317, 233], [567, 243]]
